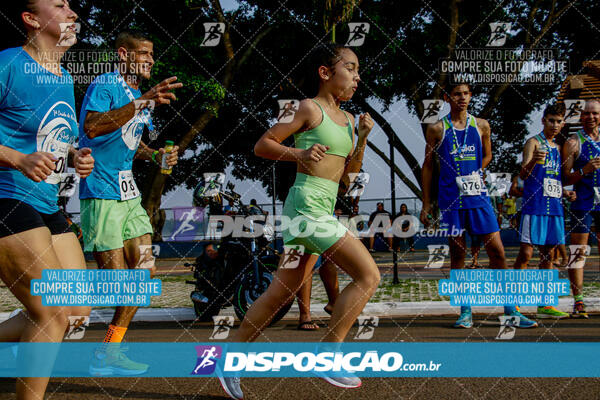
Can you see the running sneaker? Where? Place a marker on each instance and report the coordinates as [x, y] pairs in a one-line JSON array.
[[465, 320], [346, 382], [579, 310], [15, 348], [232, 387], [524, 322], [550, 312], [115, 362]]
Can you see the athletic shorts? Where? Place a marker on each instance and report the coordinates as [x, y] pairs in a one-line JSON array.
[[309, 206], [17, 216], [581, 221], [475, 221], [106, 224], [542, 230]]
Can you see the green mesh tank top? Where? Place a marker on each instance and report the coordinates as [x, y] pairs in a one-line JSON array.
[[327, 133]]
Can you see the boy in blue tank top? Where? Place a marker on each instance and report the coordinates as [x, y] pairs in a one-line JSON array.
[[542, 219], [115, 226], [462, 143], [581, 155]]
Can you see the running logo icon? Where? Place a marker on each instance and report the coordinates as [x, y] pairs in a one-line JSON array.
[[68, 182], [358, 183], [207, 359], [358, 33], [68, 33], [147, 259], [508, 326], [292, 255], [577, 255], [437, 255], [213, 31], [77, 325], [287, 110], [366, 327], [499, 34], [214, 183], [574, 108], [499, 184], [223, 325], [431, 111]]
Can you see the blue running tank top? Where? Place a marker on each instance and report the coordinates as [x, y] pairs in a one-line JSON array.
[[460, 153], [542, 190], [588, 149]]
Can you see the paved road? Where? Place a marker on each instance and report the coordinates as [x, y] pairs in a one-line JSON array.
[[389, 330]]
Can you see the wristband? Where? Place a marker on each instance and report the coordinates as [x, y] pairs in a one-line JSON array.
[[154, 153]]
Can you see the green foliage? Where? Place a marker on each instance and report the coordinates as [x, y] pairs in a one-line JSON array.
[[399, 62]]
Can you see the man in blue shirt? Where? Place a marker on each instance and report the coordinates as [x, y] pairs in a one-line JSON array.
[[463, 145], [115, 226], [580, 168]]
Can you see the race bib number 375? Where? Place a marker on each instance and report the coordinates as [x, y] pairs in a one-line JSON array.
[[127, 186], [469, 185]]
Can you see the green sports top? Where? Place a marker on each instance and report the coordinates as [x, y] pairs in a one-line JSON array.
[[327, 133]]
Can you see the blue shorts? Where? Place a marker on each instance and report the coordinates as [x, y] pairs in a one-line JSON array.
[[542, 230], [476, 221], [581, 221]]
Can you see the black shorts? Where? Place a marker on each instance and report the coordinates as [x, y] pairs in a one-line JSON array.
[[17, 216]]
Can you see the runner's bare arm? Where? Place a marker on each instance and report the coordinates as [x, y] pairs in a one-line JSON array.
[[102, 123], [36, 166], [354, 164], [531, 155], [269, 145], [433, 135], [82, 160], [144, 152], [569, 153], [486, 141], [515, 190]]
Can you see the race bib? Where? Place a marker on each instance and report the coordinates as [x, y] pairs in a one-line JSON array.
[[129, 189], [596, 195], [469, 185], [60, 150], [552, 188]]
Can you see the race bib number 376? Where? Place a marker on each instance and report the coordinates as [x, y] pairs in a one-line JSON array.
[[127, 186]]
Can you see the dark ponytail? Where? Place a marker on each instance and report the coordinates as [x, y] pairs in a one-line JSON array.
[[326, 54], [12, 29]]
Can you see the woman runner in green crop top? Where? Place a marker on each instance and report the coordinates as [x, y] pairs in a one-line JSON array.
[[324, 155]]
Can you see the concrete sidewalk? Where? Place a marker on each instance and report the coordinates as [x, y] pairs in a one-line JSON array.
[[382, 310]]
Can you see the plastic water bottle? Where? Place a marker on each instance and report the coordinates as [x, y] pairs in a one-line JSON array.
[[164, 167]]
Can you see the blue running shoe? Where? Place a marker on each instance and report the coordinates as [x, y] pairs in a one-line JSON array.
[[465, 320], [524, 322]]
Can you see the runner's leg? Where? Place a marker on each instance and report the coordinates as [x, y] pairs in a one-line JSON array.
[[355, 260], [329, 276], [525, 254], [24, 255], [576, 274]]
